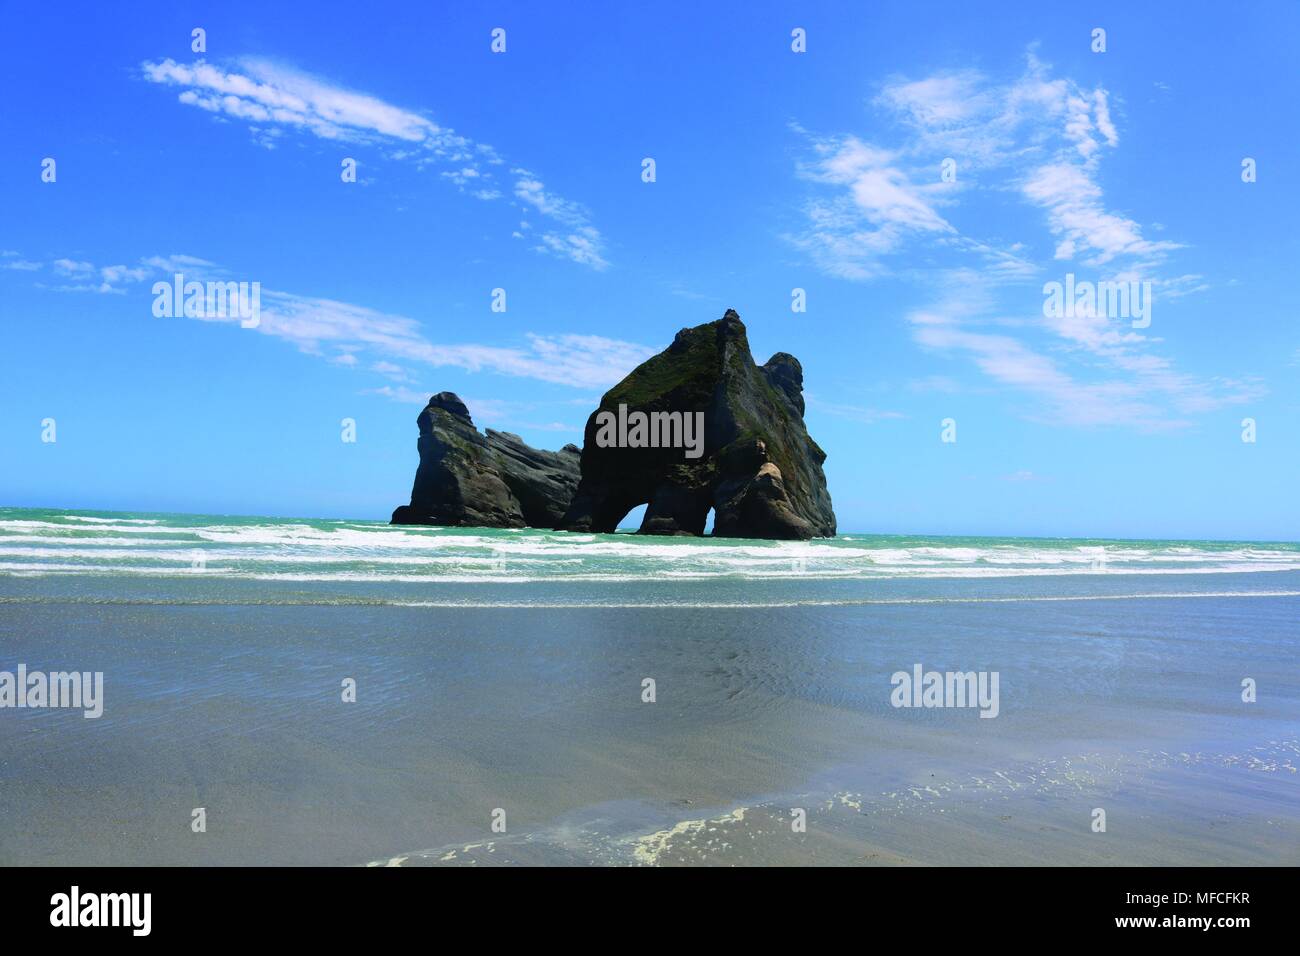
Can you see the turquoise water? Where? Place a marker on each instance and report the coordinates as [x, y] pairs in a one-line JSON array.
[[504, 670], [51, 544]]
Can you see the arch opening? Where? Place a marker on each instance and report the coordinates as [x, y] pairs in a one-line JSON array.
[[631, 522]]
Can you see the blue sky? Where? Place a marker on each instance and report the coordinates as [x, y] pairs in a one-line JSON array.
[[775, 170]]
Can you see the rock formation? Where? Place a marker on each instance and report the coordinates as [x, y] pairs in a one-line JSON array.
[[759, 469], [467, 479], [722, 433]]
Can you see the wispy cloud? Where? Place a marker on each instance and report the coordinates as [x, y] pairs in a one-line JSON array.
[[1053, 128], [403, 394], [87, 277], [495, 412], [488, 412], [876, 208], [579, 240], [14, 262], [264, 92], [1079, 219], [1120, 385], [270, 98], [327, 327], [1037, 136], [1040, 139], [383, 343], [858, 413]]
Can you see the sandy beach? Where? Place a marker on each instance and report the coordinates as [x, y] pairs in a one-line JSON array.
[[224, 694]]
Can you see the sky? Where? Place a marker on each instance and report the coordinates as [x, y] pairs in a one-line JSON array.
[[921, 172]]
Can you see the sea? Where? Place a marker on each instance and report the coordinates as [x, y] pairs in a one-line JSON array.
[[286, 691]]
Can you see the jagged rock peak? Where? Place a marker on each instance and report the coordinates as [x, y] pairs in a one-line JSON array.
[[756, 466], [496, 480], [448, 402]]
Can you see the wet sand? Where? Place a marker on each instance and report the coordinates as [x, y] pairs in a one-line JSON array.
[[1130, 705]]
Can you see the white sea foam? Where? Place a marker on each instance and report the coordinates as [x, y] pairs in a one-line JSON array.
[[185, 554], [288, 550], [110, 520], [72, 529]]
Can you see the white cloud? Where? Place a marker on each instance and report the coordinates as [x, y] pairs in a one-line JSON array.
[[1040, 136], [316, 324], [117, 274], [178, 263], [583, 247], [943, 100], [581, 242], [271, 97], [1175, 287], [1040, 139], [875, 211], [391, 370], [87, 277], [69, 267], [1121, 386], [348, 334], [269, 93], [1061, 398], [1078, 218]]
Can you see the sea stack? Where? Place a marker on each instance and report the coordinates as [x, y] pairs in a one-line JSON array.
[[758, 467], [699, 426], [468, 479]]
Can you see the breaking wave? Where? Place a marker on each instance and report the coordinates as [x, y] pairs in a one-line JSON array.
[[40, 543]]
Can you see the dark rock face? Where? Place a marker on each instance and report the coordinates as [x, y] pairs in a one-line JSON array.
[[467, 479], [759, 469]]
